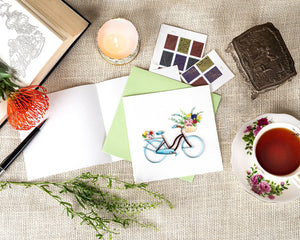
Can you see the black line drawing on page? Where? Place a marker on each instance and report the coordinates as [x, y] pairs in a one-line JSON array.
[[29, 42]]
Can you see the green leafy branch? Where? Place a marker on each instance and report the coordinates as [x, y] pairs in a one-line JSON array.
[[100, 207], [183, 113], [177, 121], [249, 139]]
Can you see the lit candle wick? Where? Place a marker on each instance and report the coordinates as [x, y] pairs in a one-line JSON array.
[[116, 42], [118, 39]]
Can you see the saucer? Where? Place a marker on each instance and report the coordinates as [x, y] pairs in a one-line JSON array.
[[249, 175]]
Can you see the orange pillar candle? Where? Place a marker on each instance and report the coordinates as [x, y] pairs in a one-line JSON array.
[[118, 41]]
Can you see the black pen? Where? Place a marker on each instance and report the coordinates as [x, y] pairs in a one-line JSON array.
[[11, 157]]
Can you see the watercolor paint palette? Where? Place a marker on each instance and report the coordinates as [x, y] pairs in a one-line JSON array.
[[210, 70], [176, 46]]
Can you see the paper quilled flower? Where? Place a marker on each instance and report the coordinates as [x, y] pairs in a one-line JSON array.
[[26, 106], [188, 121], [148, 134]]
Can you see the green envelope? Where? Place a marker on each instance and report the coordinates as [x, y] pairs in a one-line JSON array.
[[139, 82]]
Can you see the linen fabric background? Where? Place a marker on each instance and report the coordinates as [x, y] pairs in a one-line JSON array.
[[214, 206]]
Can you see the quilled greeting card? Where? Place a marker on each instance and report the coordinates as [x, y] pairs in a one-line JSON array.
[[172, 134]]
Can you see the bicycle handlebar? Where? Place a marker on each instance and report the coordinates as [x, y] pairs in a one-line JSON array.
[[177, 126]]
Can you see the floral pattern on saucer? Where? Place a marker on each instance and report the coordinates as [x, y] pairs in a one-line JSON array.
[[251, 132], [264, 187], [250, 177]]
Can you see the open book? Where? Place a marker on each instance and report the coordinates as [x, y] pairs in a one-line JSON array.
[[35, 34]]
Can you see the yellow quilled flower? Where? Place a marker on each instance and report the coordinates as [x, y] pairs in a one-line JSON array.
[[189, 115], [199, 117]]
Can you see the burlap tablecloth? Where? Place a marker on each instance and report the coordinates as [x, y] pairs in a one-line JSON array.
[[214, 206]]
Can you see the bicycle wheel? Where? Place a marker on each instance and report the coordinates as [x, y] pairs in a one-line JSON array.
[[150, 151], [196, 149]]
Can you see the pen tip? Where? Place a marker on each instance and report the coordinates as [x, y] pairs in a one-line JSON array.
[[42, 123]]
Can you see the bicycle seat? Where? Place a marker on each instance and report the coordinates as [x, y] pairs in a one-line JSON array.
[[160, 133]]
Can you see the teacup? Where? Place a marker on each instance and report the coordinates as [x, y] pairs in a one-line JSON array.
[[276, 151]]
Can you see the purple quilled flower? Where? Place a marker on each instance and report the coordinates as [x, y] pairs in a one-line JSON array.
[[271, 197], [264, 187], [262, 122], [194, 116]]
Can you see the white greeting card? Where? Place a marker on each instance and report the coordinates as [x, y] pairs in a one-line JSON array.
[[172, 134], [177, 46], [78, 120], [210, 70]]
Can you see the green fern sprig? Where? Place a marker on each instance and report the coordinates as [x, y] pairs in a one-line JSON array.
[[100, 207], [183, 113], [193, 110]]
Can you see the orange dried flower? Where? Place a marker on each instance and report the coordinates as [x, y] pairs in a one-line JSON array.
[[26, 106]]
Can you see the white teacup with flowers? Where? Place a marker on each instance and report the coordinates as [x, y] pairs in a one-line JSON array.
[[276, 152], [263, 181]]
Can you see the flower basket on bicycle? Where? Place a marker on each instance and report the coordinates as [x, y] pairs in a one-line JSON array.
[[188, 121], [190, 129]]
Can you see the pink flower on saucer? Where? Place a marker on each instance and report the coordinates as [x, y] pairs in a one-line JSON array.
[[256, 131], [248, 129], [264, 187], [254, 180], [256, 190], [262, 122]]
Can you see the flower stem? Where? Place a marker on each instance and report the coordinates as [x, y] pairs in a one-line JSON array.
[[100, 207]]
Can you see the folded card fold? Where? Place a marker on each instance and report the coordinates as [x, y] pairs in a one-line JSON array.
[[79, 119]]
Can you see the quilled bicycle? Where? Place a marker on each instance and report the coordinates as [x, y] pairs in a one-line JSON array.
[[157, 149]]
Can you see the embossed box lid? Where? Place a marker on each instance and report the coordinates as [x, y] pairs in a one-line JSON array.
[[263, 58]]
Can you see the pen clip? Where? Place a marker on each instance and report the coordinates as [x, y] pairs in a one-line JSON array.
[[1, 170]]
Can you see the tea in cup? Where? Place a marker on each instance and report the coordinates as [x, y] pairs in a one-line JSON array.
[[276, 151]]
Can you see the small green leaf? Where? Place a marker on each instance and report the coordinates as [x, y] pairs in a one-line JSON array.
[[10, 83], [2, 94], [4, 75]]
